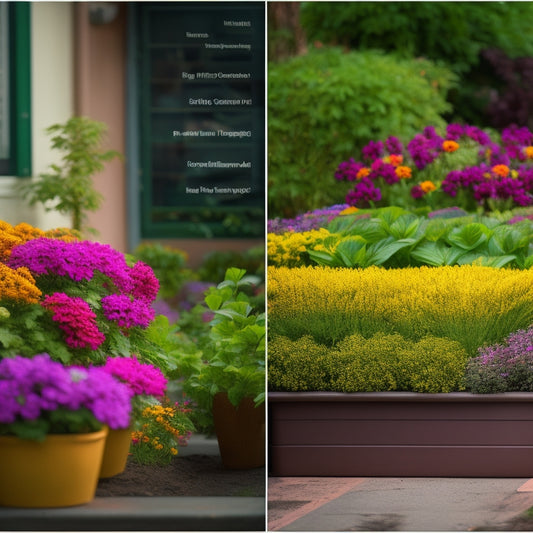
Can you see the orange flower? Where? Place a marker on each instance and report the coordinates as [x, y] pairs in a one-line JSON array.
[[427, 186], [403, 172], [396, 159], [501, 170], [349, 210], [363, 173], [450, 146], [18, 285], [528, 150]]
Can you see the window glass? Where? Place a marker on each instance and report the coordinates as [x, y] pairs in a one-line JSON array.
[[202, 119]]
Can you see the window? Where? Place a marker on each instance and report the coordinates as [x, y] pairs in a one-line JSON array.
[[202, 102], [15, 97]]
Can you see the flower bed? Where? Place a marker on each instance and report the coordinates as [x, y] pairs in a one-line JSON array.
[[400, 335]]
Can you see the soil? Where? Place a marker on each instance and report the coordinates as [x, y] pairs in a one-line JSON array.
[[190, 475]]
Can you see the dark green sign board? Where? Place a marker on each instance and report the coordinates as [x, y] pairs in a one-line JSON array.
[[202, 119]]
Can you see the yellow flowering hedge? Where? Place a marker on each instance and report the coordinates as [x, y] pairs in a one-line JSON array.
[[289, 248], [384, 362], [473, 305]]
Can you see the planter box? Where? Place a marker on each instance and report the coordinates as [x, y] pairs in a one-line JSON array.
[[398, 434]]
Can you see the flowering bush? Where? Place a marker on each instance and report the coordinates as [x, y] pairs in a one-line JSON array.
[[503, 367], [162, 429], [465, 166], [81, 301], [40, 396]]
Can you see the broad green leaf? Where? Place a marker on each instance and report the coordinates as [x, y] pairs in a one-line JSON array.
[[378, 253], [469, 237]]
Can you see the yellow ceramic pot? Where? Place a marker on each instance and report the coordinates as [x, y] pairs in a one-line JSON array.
[[59, 472], [117, 447]]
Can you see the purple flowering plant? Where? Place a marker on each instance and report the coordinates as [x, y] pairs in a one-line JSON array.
[[94, 302], [40, 396], [503, 367], [464, 166]]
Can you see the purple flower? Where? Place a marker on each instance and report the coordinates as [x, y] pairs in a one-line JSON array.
[[394, 145], [32, 388], [142, 378], [373, 150], [126, 312], [363, 193]]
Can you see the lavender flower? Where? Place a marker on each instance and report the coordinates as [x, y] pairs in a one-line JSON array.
[[503, 367]]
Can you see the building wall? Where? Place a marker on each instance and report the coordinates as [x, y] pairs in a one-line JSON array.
[[100, 94], [52, 102]]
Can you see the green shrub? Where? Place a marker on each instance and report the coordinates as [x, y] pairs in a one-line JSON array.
[[168, 265], [299, 365], [361, 365], [384, 362], [326, 105]]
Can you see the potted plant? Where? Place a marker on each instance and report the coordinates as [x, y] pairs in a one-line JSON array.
[[53, 425], [231, 384]]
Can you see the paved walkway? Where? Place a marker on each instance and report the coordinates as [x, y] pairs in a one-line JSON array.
[[395, 504]]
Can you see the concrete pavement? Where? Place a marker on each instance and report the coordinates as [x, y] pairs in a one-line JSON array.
[[395, 504]]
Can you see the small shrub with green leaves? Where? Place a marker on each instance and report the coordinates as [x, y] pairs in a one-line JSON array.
[[68, 188], [383, 362], [299, 365], [235, 356]]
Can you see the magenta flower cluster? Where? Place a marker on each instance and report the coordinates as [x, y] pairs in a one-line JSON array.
[[141, 378], [78, 260], [129, 291], [32, 388], [127, 312], [76, 319]]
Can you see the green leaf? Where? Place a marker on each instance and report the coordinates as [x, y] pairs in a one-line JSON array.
[[379, 252], [469, 237]]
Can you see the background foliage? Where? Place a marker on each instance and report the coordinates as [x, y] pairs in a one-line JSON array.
[[324, 106]]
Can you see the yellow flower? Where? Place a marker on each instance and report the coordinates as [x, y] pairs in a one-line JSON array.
[[173, 451]]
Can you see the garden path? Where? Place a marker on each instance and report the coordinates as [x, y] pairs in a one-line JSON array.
[[396, 504]]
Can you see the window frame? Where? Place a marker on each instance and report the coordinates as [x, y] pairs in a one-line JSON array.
[[19, 71]]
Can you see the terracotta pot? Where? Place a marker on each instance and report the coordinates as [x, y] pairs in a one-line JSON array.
[[240, 432], [60, 471], [117, 448]]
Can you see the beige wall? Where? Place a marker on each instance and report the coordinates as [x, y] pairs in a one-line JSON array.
[[100, 58]]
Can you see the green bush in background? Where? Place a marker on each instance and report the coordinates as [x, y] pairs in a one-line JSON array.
[[324, 106], [453, 32]]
